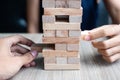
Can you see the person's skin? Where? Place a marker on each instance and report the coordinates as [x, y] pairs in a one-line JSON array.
[[33, 16], [113, 7], [13, 56], [110, 48]]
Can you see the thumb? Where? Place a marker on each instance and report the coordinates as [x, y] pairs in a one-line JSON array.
[[28, 57]]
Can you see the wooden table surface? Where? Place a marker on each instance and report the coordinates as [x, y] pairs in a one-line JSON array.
[[92, 67]]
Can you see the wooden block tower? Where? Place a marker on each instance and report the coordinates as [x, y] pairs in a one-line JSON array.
[[61, 25]]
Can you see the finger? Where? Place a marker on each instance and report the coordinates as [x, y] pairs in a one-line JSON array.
[[28, 57], [27, 65], [19, 39], [110, 52], [107, 43], [33, 64], [112, 58], [19, 49], [103, 31]]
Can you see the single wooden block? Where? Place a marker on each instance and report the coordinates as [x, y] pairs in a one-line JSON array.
[[61, 60], [73, 47], [74, 33], [74, 4], [40, 47], [58, 53], [62, 66], [62, 33], [49, 60], [61, 47], [61, 26], [48, 3], [49, 33], [62, 11], [73, 60], [112, 58], [52, 40], [48, 19], [75, 19], [61, 4]]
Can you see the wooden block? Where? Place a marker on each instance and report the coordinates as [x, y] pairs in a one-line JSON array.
[[62, 11], [73, 47], [75, 19], [48, 19], [74, 4], [61, 60], [112, 58], [39, 47], [49, 60], [61, 4], [74, 33], [52, 40], [73, 60], [61, 26], [61, 47], [48, 3], [62, 66], [49, 33], [58, 53], [62, 33]]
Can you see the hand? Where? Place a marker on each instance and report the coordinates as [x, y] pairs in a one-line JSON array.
[[13, 56], [110, 49]]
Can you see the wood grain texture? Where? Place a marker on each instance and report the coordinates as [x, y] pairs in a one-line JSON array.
[[61, 26], [52, 40], [91, 64], [49, 33], [62, 11], [48, 3], [59, 53], [62, 33]]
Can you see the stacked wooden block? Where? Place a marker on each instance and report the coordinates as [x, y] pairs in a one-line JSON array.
[[61, 26]]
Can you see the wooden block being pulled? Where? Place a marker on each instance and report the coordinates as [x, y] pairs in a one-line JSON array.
[[48, 3], [58, 53], [49, 60], [61, 33], [73, 47], [62, 66], [61, 47], [48, 19], [49, 33], [74, 4], [74, 33], [73, 60], [75, 19], [61, 26], [62, 11], [61, 60], [52, 40], [39, 47], [61, 4]]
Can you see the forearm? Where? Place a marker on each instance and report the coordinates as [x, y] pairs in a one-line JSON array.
[[113, 7], [33, 16]]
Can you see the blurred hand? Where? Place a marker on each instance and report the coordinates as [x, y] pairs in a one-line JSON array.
[[13, 56], [110, 49]]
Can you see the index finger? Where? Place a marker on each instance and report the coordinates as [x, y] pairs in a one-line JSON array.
[[19, 39], [103, 31]]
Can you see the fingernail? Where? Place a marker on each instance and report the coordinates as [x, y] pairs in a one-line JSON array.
[[34, 53], [87, 38]]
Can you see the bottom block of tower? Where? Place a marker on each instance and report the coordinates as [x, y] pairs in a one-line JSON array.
[[61, 66]]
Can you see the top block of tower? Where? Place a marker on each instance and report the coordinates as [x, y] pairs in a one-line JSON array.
[[61, 4]]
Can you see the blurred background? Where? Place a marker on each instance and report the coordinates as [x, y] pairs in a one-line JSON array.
[[17, 16]]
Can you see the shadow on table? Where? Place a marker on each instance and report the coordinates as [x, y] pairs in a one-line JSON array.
[[40, 63]]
